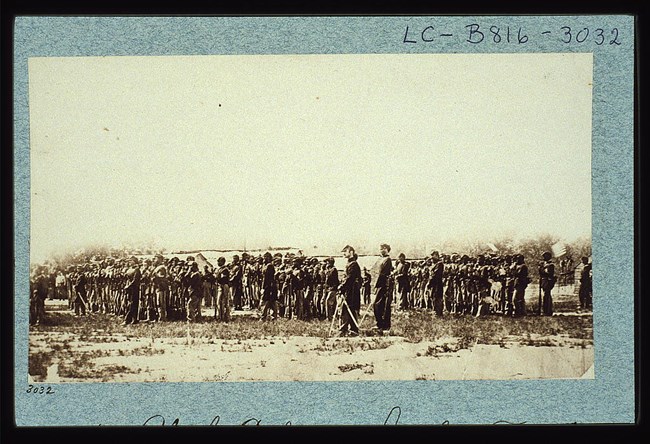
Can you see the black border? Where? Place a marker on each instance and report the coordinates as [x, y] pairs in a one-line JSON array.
[[13, 8]]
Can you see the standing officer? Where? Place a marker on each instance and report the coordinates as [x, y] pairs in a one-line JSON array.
[[366, 279], [132, 288], [222, 308], [208, 286], [236, 282], [331, 287], [585, 291], [161, 284], [269, 288], [195, 287], [436, 282], [403, 284], [351, 290], [38, 294], [383, 289], [80, 292], [521, 281], [547, 282]]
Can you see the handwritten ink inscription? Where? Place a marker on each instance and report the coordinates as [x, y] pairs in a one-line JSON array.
[[393, 418], [39, 390], [477, 34]]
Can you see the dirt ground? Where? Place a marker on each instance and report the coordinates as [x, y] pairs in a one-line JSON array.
[[97, 348]]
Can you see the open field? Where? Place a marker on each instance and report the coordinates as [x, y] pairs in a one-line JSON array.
[[98, 348]]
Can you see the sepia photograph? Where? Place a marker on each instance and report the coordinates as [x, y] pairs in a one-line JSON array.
[[310, 217]]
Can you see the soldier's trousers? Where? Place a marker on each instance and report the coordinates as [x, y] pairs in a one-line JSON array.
[[222, 307], [403, 291], [37, 309], [520, 302], [270, 302], [207, 294], [329, 304], [308, 303], [237, 296], [366, 294], [438, 302], [161, 303], [134, 308], [382, 308], [79, 305], [193, 306], [547, 302], [319, 297], [270, 305], [349, 319], [508, 310], [584, 293]]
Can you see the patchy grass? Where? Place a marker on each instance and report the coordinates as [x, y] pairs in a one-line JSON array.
[[367, 368], [66, 339], [431, 377], [39, 362], [352, 345]]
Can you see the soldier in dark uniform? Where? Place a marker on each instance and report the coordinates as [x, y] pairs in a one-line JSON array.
[[382, 305], [436, 282], [331, 287], [236, 284], [308, 288], [510, 268], [222, 307], [195, 287], [547, 282], [80, 292], [366, 279], [521, 281], [39, 292], [402, 278], [269, 288], [296, 276], [208, 285], [320, 278], [132, 288], [585, 290], [162, 285], [351, 291]]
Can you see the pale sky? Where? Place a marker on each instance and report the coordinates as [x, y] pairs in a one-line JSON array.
[[207, 152]]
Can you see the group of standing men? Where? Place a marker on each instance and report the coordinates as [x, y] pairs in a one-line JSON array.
[[289, 286]]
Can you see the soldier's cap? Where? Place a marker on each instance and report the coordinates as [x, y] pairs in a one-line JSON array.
[[385, 246], [159, 256], [547, 255], [330, 260], [189, 258], [174, 259], [221, 260], [347, 247], [435, 253], [195, 265], [235, 258], [402, 256]]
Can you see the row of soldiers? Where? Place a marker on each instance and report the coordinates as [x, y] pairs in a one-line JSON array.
[[296, 286]]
